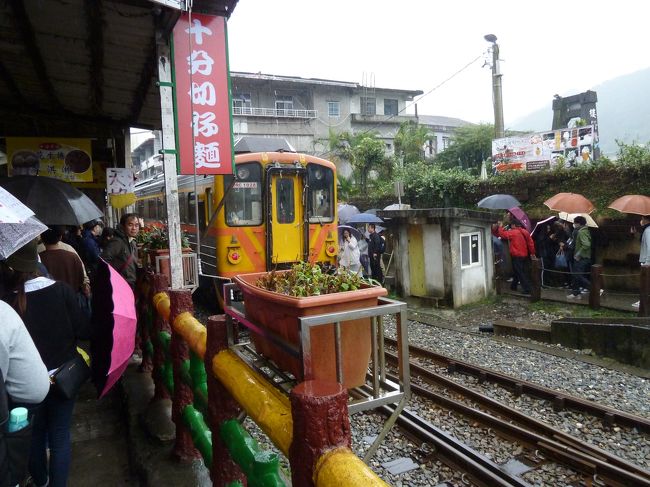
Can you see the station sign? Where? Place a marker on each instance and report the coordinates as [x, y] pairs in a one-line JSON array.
[[201, 78]]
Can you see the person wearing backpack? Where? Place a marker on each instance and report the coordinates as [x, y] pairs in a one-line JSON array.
[[24, 381]]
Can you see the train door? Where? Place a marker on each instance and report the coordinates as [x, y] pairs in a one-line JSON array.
[[285, 224]]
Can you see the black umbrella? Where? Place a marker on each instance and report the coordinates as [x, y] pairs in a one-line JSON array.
[[498, 202], [54, 202]]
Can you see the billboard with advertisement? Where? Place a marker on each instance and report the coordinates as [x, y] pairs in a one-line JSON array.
[[202, 95], [567, 147], [55, 157]]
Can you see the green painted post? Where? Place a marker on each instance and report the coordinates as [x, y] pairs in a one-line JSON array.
[[201, 434], [262, 468]]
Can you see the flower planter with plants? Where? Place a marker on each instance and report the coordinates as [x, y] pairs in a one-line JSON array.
[[276, 299], [154, 240]]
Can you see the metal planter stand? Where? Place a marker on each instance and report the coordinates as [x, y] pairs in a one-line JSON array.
[[378, 390]]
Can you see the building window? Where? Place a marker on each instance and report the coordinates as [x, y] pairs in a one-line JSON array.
[[334, 109], [446, 142], [390, 107], [470, 249], [368, 106], [241, 101], [283, 102]]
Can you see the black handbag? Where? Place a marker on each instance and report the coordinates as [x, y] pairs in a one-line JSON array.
[[68, 379]]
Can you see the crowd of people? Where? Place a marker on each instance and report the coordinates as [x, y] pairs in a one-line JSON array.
[[45, 310], [566, 248]]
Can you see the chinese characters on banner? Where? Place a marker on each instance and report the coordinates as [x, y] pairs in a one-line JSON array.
[[54, 157], [203, 102], [567, 147]]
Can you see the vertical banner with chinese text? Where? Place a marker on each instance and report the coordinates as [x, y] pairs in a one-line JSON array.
[[202, 95]]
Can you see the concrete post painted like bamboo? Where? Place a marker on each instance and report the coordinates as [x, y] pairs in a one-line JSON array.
[[320, 423], [221, 406], [184, 450]]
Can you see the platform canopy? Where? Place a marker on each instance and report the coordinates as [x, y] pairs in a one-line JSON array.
[[84, 68]]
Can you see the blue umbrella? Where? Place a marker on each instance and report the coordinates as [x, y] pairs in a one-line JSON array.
[[364, 218]]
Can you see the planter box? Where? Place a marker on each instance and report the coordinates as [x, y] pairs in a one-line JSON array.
[[164, 263], [279, 313]]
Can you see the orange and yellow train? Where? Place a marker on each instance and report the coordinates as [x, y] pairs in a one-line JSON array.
[[277, 209]]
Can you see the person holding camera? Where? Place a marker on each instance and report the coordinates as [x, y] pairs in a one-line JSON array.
[[350, 255]]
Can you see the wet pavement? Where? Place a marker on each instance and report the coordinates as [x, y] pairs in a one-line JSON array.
[[123, 439]]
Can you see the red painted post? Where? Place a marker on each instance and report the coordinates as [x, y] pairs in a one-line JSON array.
[[184, 450], [535, 280], [159, 284], [320, 422], [221, 406], [596, 286], [644, 292]]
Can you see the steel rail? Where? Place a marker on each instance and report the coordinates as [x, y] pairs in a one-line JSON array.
[[482, 471], [560, 400], [569, 452], [513, 414]]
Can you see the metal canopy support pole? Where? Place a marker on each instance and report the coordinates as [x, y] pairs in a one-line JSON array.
[[169, 164]]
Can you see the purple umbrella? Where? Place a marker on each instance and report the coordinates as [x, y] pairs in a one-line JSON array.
[[520, 215]]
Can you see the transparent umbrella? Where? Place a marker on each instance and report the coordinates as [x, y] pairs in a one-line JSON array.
[[18, 225]]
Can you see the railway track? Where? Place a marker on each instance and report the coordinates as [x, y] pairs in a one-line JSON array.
[[597, 466], [559, 399]]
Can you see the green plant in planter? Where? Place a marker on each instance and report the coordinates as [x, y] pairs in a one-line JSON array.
[[305, 279], [157, 238]]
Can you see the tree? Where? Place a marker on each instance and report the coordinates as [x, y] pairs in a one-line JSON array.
[[409, 142], [471, 145], [366, 152]]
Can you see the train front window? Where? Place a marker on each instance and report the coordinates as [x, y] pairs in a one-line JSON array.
[[321, 193], [243, 204], [284, 201]]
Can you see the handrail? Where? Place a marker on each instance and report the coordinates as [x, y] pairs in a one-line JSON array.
[[275, 112], [183, 376]]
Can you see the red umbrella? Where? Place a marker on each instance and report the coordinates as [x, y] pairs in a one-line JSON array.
[[114, 325], [569, 202], [637, 204]]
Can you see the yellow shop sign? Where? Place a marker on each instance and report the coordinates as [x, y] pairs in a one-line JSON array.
[[61, 158]]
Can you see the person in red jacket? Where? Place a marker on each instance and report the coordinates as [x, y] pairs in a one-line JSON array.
[[521, 249]]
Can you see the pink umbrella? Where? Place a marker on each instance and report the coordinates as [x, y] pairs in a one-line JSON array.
[[114, 326], [520, 215]]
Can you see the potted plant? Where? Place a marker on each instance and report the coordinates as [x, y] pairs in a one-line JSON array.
[[277, 299], [155, 242]]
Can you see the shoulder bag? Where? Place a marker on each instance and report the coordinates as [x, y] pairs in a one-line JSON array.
[[68, 379]]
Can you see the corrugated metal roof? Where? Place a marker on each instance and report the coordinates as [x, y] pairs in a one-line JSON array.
[[82, 68]]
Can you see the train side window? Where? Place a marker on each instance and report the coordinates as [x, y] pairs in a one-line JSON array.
[[243, 204], [284, 201], [321, 193]]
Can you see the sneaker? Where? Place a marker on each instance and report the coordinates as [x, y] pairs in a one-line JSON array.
[[574, 296], [584, 291], [637, 304], [601, 291], [509, 279]]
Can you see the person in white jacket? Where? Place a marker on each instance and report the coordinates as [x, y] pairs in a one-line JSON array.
[[350, 255], [25, 375]]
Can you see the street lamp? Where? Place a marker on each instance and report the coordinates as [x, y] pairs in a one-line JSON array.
[[497, 99]]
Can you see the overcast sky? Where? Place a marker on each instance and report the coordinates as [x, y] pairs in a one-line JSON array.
[[546, 47]]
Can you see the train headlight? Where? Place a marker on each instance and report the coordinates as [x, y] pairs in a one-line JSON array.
[[234, 255]]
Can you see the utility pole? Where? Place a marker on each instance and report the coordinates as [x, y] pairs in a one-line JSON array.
[[497, 99]]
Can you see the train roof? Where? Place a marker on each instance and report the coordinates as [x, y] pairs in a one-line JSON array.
[[249, 143]]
